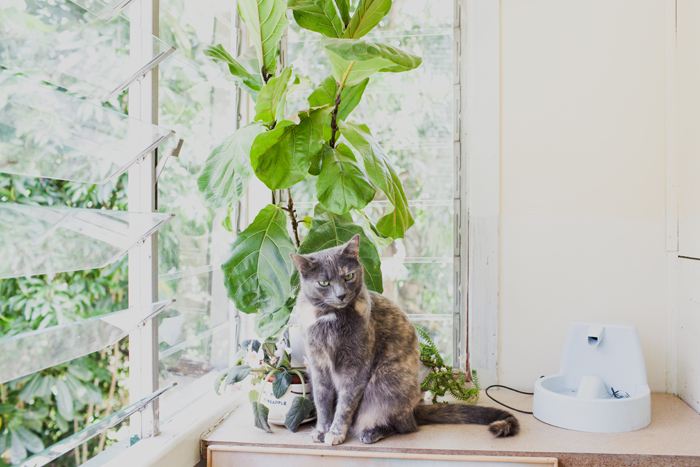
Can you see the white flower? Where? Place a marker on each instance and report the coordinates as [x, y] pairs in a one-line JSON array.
[[255, 359], [282, 347], [306, 362]]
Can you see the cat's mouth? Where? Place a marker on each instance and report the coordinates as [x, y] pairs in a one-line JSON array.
[[341, 303]]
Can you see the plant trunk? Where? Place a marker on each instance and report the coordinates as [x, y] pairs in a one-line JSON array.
[[110, 398]]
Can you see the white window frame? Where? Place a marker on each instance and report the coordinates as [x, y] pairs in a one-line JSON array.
[[481, 151], [143, 259], [477, 211]]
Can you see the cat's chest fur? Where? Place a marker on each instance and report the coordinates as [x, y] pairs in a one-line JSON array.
[[333, 335]]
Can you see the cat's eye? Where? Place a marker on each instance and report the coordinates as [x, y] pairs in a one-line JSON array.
[[349, 277], [323, 283]]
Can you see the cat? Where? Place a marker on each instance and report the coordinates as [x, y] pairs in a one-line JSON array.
[[363, 357]]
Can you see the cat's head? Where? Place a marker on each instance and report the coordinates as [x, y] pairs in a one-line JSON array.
[[332, 278]]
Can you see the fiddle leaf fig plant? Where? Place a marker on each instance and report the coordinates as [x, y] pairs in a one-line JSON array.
[[283, 146]]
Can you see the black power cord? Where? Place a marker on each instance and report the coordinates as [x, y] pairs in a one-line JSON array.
[[510, 389]]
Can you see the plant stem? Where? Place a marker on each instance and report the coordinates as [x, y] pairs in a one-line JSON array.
[[303, 383], [110, 399], [262, 388], [76, 451], [334, 120], [293, 216], [91, 411], [334, 115]]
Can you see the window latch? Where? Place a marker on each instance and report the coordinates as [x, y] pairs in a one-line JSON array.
[[175, 152]]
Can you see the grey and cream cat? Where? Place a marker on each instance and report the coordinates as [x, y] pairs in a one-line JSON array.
[[363, 357]]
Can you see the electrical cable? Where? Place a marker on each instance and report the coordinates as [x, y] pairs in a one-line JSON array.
[[510, 389]]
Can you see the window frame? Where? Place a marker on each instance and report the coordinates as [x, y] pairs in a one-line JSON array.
[[476, 202], [143, 259]]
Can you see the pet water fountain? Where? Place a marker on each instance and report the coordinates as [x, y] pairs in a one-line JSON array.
[[601, 386]]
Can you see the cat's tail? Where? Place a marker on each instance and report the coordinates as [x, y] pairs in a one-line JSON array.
[[500, 422]]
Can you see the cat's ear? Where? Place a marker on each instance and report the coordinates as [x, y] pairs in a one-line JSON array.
[[352, 248], [302, 263]]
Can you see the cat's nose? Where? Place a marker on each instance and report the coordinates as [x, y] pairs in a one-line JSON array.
[[342, 297]]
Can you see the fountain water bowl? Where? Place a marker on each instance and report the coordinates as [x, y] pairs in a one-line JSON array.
[[601, 386]]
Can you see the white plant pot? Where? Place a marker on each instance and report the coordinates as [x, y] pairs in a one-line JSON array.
[[279, 407]]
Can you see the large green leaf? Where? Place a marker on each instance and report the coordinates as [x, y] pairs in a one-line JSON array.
[[350, 96], [266, 20], [227, 171], [258, 270], [31, 441], [329, 230], [77, 389], [271, 100], [281, 384], [298, 411], [361, 59], [299, 83], [64, 400], [268, 324], [282, 157], [342, 185], [397, 219], [4, 441], [251, 83], [368, 14], [344, 9], [318, 16], [260, 413], [237, 374], [17, 450], [30, 388], [81, 372]]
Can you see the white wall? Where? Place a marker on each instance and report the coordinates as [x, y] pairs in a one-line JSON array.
[[583, 189], [687, 152]]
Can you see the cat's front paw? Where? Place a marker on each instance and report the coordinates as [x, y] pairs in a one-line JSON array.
[[317, 436], [333, 438]]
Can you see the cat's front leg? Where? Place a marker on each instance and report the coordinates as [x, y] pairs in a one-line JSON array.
[[348, 400], [324, 399]]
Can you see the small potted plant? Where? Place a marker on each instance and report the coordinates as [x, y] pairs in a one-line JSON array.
[[440, 378], [284, 401]]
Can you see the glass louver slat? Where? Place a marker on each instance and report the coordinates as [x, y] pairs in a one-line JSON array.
[[104, 9], [66, 445], [61, 43], [47, 133], [33, 351], [47, 240]]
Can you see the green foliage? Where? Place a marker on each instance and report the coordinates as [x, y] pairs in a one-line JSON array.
[[266, 21], [269, 323], [326, 94], [342, 185], [291, 147], [227, 172], [329, 230], [300, 409], [368, 14], [252, 83], [40, 409], [282, 156], [353, 60], [271, 99], [397, 219], [269, 361], [318, 16], [442, 378], [258, 269]]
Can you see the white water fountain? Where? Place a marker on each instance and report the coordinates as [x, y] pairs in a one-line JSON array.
[[601, 386]]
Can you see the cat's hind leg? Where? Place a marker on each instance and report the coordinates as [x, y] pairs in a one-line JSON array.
[[372, 435]]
